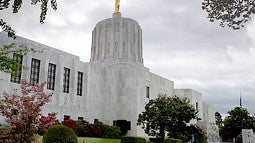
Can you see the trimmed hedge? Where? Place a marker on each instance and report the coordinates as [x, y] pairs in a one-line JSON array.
[[156, 140], [171, 140], [126, 139], [59, 134], [111, 132]]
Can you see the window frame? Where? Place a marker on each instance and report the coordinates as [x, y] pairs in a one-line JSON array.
[[51, 78], [79, 83], [66, 80], [16, 77], [35, 71]]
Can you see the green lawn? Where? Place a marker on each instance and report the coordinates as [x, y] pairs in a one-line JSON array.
[[96, 140]]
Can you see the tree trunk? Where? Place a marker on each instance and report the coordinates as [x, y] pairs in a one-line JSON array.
[[162, 132]]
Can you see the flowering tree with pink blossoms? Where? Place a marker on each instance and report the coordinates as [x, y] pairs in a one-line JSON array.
[[21, 112]]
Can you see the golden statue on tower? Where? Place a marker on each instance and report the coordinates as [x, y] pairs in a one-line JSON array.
[[117, 5]]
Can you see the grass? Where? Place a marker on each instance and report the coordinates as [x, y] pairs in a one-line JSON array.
[[96, 140]]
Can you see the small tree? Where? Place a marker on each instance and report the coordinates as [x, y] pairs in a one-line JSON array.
[[169, 114], [22, 111]]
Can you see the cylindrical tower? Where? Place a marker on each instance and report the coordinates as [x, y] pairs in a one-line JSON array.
[[117, 39]]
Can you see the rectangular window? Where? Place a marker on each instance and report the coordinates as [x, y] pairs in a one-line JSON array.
[[66, 117], [15, 77], [66, 80], [51, 76], [197, 106], [79, 83], [35, 70], [147, 92]]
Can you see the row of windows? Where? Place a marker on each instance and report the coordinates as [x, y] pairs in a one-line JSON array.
[[35, 73]]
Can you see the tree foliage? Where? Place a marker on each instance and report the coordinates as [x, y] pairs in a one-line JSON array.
[[238, 119], [4, 4], [232, 13], [166, 114], [199, 134], [22, 111], [218, 119], [45, 122], [7, 63]]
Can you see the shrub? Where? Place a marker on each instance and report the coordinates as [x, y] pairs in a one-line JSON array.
[[45, 122], [84, 128], [111, 132], [171, 140], [95, 130], [81, 129], [157, 140], [98, 129], [69, 123], [126, 139], [59, 134]]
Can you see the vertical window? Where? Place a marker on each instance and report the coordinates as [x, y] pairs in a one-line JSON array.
[[35, 69], [66, 117], [79, 83], [197, 106], [66, 80], [147, 92], [15, 77], [51, 76]]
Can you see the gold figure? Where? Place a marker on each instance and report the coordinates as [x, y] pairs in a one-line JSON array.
[[117, 5]]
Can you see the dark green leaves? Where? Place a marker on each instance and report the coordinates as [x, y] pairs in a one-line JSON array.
[[16, 6], [7, 28], [237, 120], [43, 10], [4, 4], [232, 13], [7, 63], [169, 114]]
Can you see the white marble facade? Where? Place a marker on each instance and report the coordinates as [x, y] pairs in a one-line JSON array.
[[115, 83]]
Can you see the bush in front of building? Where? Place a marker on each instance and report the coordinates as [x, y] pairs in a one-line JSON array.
[[45, 122], [111, 132], [156, 140], [69, 123], [60, 134], [127, 139], [97, 129], [82, 130]]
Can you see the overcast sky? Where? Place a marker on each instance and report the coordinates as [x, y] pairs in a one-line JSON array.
[[179, 43]]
